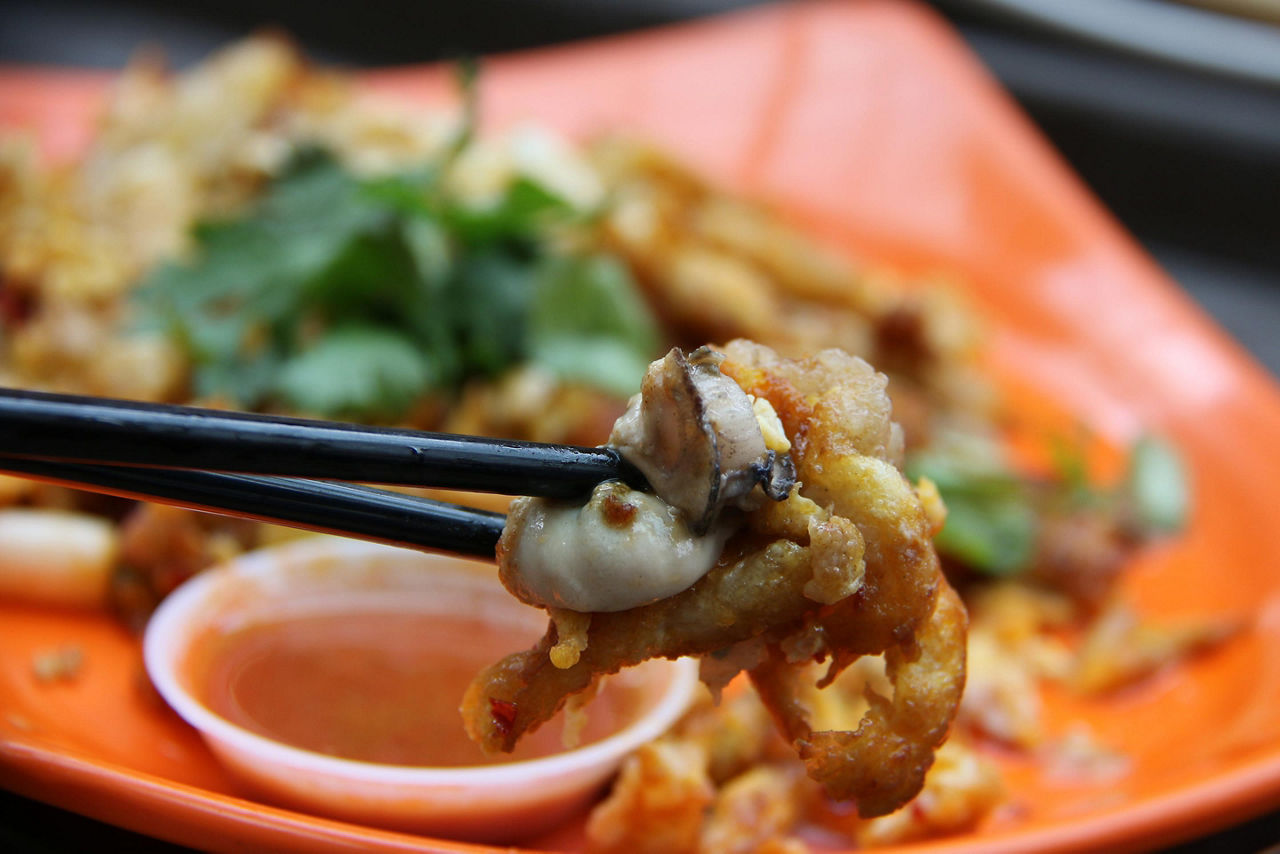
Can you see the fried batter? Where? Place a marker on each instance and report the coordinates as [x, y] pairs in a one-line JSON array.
[[841, 568], [657, 805], [881, 764]]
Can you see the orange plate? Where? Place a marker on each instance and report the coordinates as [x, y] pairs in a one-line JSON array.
[[874, 125]]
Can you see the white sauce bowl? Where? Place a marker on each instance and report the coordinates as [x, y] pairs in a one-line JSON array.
[[492, 803]]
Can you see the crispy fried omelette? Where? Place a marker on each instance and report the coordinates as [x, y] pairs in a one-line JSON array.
[[839, 567]]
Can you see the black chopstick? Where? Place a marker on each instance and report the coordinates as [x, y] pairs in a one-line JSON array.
[[104, 431], [338, 508]]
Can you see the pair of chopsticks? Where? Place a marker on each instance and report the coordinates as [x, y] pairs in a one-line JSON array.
[[290, 470]]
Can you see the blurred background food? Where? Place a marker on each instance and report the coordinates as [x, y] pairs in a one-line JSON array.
[[1170, 111], [1180, 143]]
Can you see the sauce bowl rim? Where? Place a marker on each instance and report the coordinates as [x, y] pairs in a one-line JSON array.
[[166, 644]]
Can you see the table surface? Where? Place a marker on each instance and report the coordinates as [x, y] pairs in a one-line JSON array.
[[1198, 187]]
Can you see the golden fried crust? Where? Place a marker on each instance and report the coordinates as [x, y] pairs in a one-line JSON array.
[[882, 764], [844, 567], [657, 805], [756, 809], [736, 601]]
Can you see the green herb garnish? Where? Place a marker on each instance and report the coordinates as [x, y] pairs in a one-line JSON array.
[[1157, 486], [339, 296], [991, 525], [994, 513]]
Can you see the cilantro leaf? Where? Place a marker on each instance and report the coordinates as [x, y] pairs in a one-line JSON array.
[[516, 218], [588, 324], [237, 306], [993, 513], [489, 298], [996, 536], [356, 369], [991, 522], [312, 297], [1157, 486]]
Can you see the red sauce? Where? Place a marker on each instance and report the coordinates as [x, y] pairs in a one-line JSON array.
[[378, 687]]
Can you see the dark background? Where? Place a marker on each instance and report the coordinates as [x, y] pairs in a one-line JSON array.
[[1187, 159]]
